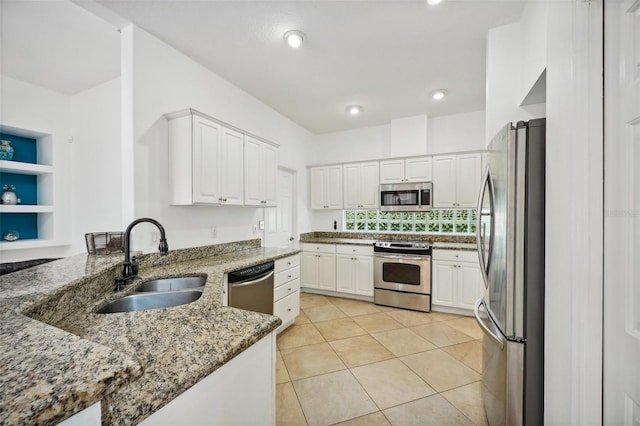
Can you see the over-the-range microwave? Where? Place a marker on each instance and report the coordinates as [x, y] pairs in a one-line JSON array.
[[406, 197]]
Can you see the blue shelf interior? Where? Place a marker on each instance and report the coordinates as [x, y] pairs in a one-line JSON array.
[[26, 187], [25, 223], [25, 150]]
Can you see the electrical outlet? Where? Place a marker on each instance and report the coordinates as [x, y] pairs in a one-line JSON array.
[[261, 225], [214, 232]]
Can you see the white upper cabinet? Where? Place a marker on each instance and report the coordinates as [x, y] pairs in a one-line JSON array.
[[417, 169], [205, 162], [213, 163], [456, 180], [361, 185], [261, 169], [326, 187]]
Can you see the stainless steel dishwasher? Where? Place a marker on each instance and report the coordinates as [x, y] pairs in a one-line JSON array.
[[251, 288]]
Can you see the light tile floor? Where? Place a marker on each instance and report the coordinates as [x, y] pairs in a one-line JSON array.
[[354, 363]]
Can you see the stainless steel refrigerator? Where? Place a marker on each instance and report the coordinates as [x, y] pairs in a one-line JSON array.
[[510, 235]]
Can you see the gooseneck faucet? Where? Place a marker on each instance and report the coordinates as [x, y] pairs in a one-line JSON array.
[[129, 266]]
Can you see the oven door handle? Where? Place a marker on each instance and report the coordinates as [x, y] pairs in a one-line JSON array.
[[402, 257]]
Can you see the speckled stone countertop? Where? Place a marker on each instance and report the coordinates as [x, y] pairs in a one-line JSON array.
[[59, 357], [453, 242]]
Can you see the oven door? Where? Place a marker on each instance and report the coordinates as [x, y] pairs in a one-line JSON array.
[[408, 273]]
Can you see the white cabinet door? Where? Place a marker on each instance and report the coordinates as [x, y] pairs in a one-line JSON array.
[[207, 137], [261, 169], [418, 169], [469, 174], [391, 171], [363, 275], [361, 185], [327, 271], [443, 291], [351, 178], [326, 187], [334, 187], [444, 181], [345, 279], [270, 177], [231, 164], [469, 285], [309, 271], [369, 188], [318, 188]]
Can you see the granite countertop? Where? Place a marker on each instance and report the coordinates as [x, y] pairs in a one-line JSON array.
[[63, 357], [452, 242]]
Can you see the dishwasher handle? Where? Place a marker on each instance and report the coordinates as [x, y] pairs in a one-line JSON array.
[[251, 273], [262, 277]]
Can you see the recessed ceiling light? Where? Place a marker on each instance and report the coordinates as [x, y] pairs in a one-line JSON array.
[[434, 2], [294, 38], [439, 94], [354, 109]]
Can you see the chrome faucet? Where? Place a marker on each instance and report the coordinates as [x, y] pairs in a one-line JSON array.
[[129, 266]]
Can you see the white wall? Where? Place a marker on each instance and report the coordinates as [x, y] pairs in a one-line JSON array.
[[409, 136], [574, 218], [503, 80], [456, 132], [533, 45], [97, 169], [367, 143], [165, 80], [29, 107]]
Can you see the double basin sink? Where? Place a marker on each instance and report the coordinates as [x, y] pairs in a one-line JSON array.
[[158, 293]]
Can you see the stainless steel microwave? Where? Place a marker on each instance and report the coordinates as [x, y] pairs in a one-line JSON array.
[[406, 197]]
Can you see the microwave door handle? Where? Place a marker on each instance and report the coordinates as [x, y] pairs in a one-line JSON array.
[[487, 183]]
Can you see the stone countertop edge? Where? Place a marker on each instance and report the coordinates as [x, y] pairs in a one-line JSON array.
[[452, 242], [49, 374]]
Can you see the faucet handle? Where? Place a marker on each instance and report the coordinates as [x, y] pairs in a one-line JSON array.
[[134, 266], [119, 283]]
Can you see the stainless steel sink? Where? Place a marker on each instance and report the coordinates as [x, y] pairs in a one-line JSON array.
[[143, 302], [172, 284]]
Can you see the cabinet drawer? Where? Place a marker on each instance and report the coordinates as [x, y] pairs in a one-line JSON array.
[[285, 290], [319, 248], [287, 262], [355, 250], [286, 276], [455, 255], [287, 308]]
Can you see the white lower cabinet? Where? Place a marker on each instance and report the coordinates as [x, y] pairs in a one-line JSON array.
[[354, 270], [319, 266], [456, 278], [286, 291], [241, 392]]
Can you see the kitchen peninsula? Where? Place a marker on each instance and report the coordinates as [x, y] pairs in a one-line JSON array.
[[59, 357]]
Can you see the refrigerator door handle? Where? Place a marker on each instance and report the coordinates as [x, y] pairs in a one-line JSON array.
[[496, 338], [487, 182]]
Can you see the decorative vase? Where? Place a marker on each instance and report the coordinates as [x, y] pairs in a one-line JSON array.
[[11, 235], [6, 150], [8, 196]]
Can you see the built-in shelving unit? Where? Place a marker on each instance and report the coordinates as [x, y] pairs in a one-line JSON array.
[[31, 171]]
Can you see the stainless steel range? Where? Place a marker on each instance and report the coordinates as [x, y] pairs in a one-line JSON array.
[[402, 275]]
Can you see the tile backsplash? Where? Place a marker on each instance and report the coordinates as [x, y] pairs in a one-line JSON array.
[[450, 222]]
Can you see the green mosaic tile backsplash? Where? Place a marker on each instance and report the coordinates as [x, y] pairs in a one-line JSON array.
[[462, 222]]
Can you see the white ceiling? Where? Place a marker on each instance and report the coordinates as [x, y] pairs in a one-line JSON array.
[[384, 55]]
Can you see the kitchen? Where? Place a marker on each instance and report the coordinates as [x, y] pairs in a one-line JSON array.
[[133, 189]]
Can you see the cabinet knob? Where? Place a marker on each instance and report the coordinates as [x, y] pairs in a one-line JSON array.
[[288, 309], [288, 276], [288, 263], [288, 289]]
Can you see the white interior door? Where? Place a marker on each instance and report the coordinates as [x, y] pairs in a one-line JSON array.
[[279, 220], [621, 379]]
